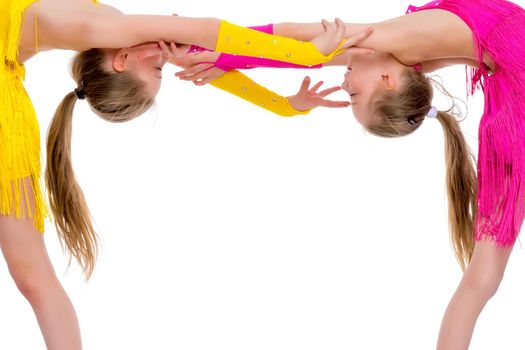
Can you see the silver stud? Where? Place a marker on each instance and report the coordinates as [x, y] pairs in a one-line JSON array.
[[248, 42], [261, 56], [275, 41], [274, 99], [262, 105], [253, 82], [288, 55], [244, 89]]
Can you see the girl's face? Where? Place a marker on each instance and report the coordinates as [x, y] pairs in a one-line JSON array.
[[146, 61], [367, 76]]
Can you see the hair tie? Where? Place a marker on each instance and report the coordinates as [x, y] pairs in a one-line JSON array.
[[432, 113], [80, 92]]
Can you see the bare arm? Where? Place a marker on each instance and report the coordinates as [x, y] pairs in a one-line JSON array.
[[104, 30], [308, 31], [433, 65], [426, 67], [413, 38], [129, 30], [387, 36]]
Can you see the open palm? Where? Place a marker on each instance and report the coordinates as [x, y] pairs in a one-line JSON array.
[[308, 98]]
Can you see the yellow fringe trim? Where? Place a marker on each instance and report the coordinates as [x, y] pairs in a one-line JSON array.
[[19, 132]]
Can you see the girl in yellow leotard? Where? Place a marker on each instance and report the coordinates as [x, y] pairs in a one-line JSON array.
[[118, 70]]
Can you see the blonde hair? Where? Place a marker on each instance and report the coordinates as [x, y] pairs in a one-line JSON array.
[[400, 113], [115, 97]]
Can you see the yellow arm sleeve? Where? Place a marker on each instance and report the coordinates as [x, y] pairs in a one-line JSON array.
[[240, 85], [248, 42]]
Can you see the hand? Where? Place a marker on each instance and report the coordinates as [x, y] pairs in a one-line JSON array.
[[308, 98], [175, 53], [199, 67], [202, 76], [329, 41], [191, 61], [358, 38]]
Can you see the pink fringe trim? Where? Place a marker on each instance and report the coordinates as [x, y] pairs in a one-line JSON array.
[[498, 28]]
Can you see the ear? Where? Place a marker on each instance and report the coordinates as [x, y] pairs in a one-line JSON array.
[[119, 61], [389, 81]]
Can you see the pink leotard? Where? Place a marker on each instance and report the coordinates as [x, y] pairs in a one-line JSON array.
[[498, 28]]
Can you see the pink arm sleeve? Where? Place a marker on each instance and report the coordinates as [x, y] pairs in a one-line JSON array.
[[228, 62]]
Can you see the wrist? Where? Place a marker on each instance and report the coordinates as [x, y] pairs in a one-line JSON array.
[[298, 106]]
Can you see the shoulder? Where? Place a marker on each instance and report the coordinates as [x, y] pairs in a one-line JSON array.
[[432, 34], [65, 25]]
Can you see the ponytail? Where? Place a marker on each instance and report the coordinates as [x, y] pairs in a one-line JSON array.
[[115, 97], [69, 208], [402, 112], [461, 189]]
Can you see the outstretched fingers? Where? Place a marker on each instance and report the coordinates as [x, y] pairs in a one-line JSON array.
[[329, 91], [316, 87], [188, 73], [334, 104], [340, 30], [358, 38]]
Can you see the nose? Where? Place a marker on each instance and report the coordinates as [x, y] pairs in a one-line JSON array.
[[165, 57], [345, 81]]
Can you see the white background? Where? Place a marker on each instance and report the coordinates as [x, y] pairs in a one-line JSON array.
[[227, 227]]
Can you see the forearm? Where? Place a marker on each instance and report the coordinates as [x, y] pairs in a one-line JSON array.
[[308, 31], [228, 62], [242, 86], [399, 36], [129, 30]]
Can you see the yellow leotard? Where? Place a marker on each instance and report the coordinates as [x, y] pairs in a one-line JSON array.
[[19, 131]]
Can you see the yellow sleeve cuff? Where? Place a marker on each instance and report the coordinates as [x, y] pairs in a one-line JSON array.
[[233, 39], [240, 85]]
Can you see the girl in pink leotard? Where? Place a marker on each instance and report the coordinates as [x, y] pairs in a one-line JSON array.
[[391, 97]]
